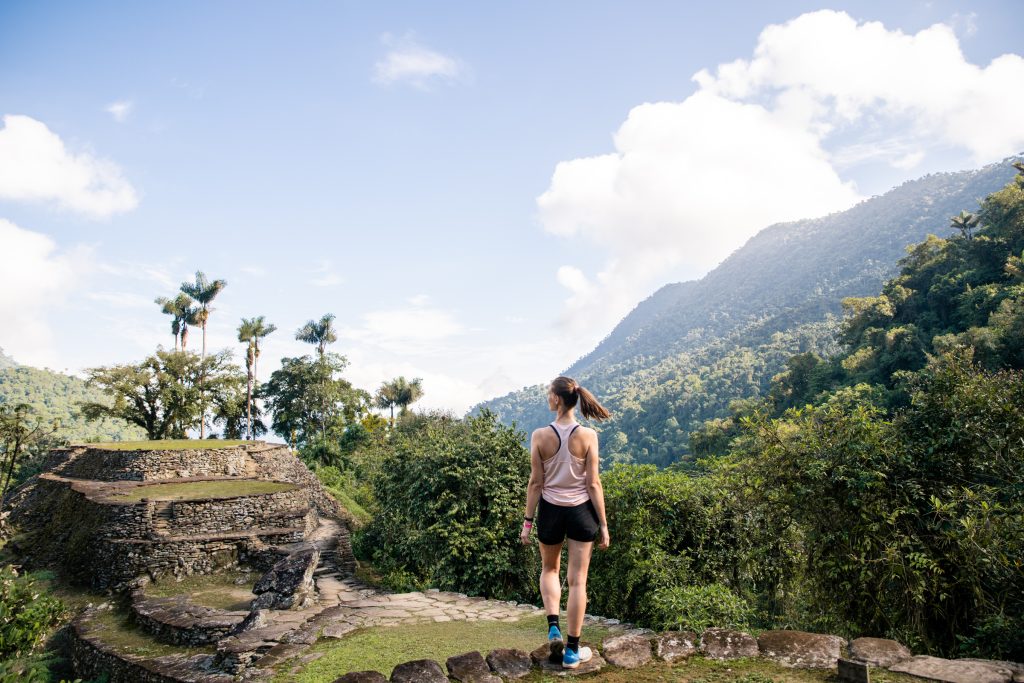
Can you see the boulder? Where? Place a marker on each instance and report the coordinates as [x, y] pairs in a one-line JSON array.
[[799, 649], [256, 619], [509, 663], [630, 651], [362, 677], [725, 643], [289, 583], [470, 667], [419, 671], [878, 651], [954, 670], [675, 645]]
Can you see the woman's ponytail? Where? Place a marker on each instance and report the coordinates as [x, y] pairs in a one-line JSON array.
[[572, 393], [590, 407]]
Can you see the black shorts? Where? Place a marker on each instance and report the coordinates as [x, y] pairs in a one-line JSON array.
[[555, 522]]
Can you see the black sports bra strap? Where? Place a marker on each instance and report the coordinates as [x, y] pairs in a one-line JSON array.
[[559, 438]]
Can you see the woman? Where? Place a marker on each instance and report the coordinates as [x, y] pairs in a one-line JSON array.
[[564, 480]]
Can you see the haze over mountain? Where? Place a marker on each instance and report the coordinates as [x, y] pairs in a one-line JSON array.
[[686, 351]]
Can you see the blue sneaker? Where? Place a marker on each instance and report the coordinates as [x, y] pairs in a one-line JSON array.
[[571, 659], [554, 633]]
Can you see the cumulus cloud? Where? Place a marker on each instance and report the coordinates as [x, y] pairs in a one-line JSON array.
[[409, 62], [120, 110], [764, 140], [36, 166], [36, 276]]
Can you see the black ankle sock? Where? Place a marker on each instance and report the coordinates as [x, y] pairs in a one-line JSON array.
[[573, 643], [553, 621]]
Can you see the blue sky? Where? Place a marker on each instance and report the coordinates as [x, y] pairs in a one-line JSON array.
[[478, 191]]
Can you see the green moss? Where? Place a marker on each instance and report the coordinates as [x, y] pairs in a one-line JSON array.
[[114, 628], [201, 490], [168, 444]]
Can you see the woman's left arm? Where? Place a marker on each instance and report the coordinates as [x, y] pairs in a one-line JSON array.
[[596, 492]]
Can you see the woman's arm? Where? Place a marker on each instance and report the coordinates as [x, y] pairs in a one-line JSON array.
[[596, 492], [533, 488]]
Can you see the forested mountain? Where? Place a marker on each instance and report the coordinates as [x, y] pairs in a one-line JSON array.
[[682, 355], [55, 396]]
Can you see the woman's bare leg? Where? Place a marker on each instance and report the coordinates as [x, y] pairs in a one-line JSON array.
[[550, 586], [579, 563]]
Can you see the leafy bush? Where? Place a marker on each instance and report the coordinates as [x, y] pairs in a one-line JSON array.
[[26, 613], [695, 608], [450, 498]]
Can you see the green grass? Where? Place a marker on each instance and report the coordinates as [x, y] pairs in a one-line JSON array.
[[348, 503], [382, 648], [167, 444], [115, 629], [201, 490], [218, 591]]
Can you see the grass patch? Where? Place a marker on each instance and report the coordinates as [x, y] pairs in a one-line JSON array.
[[700, 670], [168, 444], [219, 591], [115, 629], [349, 504], [382, 648], [201, 490]]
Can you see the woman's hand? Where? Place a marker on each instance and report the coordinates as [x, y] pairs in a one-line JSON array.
[[524, 534], [604, 540]]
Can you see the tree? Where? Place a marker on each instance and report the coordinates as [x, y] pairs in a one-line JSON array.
[[182, 313], [251, 331], [165, 393], [318, 332], [20, 429], [204, 292], [965, 222], [308, 397], [398, 392]]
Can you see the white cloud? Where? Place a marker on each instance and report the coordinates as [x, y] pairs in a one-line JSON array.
[[763, 141], [326, 276], [409, 62], [120, 110], [35, 277], [36, 166], [408, 330]]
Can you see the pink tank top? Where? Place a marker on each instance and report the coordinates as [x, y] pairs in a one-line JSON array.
[[565, 475]]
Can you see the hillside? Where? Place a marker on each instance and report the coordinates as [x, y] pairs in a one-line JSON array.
[[689, 349], [56, 396]]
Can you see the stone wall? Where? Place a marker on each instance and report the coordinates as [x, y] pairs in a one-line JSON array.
[[267, 510], [109, 465]]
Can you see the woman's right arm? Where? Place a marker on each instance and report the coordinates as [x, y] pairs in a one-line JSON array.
[[533, 488]]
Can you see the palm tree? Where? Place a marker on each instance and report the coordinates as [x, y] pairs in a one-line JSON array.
[[182, 313], [252, 330], [320, 332], [204, 292], [965, 222], [399, 392]]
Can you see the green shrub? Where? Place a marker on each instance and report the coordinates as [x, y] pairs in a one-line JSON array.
[[27, 613], [695, 608], [450, 497]]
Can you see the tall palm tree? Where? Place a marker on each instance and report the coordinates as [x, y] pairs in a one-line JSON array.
[[399, 392], [251, 331], [965, 223], [204, 292], [182, 313], [320, 332]]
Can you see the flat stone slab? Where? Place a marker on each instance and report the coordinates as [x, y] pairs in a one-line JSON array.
[[799, 649], [879, 651], [509, 663], [470, 667], [549, 658], [675, 645], [954, 670], [630, 651], [362, 677], [419, 671], [725, 643]]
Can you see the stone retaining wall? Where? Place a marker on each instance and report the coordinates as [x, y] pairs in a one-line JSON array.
[[82, 462], [267, 510]]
